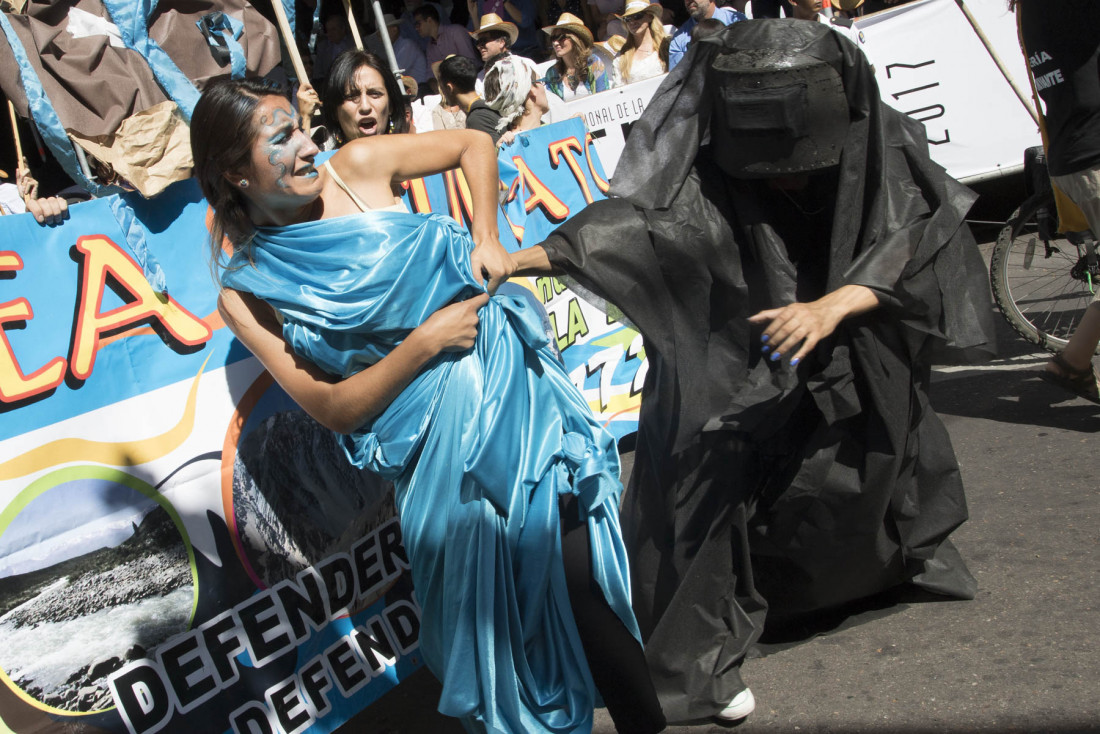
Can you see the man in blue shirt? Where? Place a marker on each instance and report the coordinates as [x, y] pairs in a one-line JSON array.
[[699, 10]]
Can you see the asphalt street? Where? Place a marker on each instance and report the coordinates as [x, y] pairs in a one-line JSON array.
[[1021, 657]]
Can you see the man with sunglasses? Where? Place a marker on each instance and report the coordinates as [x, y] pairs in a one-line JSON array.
[[494, 38]]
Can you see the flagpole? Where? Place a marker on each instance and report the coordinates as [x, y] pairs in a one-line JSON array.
[[288, 40], [15, 133], [351, 24], [997, 60], [385, 37]]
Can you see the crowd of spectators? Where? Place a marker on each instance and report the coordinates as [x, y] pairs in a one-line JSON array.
[[570, 49]]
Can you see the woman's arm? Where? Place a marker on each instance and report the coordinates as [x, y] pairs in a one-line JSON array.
[[809, 323], [345, 404], [399, 158]]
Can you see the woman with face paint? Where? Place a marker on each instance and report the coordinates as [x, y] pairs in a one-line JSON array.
[[506, 487]]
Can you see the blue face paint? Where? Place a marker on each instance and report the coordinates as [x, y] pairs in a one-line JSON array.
[[283, 146]]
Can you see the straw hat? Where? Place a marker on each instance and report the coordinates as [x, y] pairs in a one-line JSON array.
[[847, 4], [633, 7], [614, 44], [389, 20], [493, 22], [573, 24]]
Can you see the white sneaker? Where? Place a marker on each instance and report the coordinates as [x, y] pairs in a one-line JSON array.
[[741, 706]]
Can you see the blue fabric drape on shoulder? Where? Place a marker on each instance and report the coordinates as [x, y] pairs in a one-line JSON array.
[[480, 446]]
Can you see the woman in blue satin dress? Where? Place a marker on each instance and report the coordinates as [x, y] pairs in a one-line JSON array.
[[378, 323]]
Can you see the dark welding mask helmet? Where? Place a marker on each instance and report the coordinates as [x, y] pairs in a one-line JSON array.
[[776, 113]]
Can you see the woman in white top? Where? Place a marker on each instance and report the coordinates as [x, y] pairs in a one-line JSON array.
[[645, 53]]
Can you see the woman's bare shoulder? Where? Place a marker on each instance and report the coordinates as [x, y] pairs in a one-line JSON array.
[[241, 309]]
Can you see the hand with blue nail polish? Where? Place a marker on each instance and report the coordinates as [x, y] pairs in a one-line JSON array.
[[797, 328]]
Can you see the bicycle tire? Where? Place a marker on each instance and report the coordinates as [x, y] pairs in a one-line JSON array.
[[1038, 296]]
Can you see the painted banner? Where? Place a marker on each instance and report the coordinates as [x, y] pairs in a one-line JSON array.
[[546, 175], [181, 548]]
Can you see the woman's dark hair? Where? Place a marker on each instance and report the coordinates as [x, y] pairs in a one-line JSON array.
[[341, 82], [222, 134]]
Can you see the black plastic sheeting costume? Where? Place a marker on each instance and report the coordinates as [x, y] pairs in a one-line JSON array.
[[836, 477]]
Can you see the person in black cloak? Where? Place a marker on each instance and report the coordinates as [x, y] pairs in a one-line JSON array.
[[794, 260]]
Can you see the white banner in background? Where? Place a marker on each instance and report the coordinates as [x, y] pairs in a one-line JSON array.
[[608, 116], [931, 65]]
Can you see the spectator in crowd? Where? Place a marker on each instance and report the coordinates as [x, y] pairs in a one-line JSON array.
[[699, 10], [443, 40], [448, 116], [811, 10], [645, 53], [410, 59], [457, 75], [408, 22], [578, 70], [335, 41], [361, 98], [517, 94], [411, 90], [1062, 40], [494, 38], [521, 13]]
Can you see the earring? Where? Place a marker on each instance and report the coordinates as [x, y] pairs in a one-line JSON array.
[[243, 183], [391, 126]]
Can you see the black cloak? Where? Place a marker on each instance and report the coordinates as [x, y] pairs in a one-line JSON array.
[[836, 478]]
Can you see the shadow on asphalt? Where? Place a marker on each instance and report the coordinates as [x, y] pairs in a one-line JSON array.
[[1019, 397], [782, 634]]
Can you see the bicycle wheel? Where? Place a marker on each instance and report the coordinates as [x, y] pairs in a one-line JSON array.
[[1041, 286]]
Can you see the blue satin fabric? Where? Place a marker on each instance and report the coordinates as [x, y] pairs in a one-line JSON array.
[[479, 446]]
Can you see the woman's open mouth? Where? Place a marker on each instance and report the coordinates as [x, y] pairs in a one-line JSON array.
[[368, 127]]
